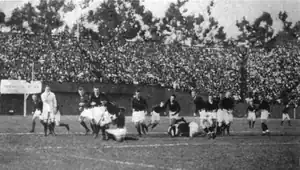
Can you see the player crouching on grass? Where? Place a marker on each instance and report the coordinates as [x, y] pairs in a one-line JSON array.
[[183, 128], [155, 115], [120, 132]]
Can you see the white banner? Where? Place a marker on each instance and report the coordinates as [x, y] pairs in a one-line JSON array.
[[20, 87]]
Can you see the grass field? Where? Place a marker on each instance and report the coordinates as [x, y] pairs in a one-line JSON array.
[[246, 149]]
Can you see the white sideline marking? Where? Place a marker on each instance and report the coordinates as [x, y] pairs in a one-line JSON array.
[[165, 145], [120, 162], [131, 133]]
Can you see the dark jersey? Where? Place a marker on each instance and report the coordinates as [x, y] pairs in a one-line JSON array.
[[159, 109], [173, 106], [85, 98], [228, 103], [200, 104], [96, 99], [139, 104], [285, 110], [211, 106], [37, 105], [251, 108], [264, 105]]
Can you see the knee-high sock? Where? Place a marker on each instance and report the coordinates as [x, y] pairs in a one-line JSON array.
[[64, 125], [250, 123], [289, 122], [253, 123], [45, 127], [138, 128], [84, 125], [33, 126]]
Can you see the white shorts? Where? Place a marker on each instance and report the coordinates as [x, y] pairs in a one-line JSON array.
[[155, 117], [37, 114], [194, 128], [101, 115], [228, 117], [221, 116], [138, 116], [205, 119], [171, 116], [213, 115], [47, 116], [251, 116], [119, 133], [57, 118], [86, 114], [285, 116], [264, 115]]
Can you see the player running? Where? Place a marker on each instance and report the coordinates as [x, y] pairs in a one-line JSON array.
[[84, 104], [200, 110], [174, 109], [36, 111], [155, 115], [228, 106], [286, 116], [139, 110], [264, 108], [57, 120]]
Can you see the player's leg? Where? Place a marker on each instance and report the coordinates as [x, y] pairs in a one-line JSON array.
[[288, 119], [253, 119], [143, 122], [83, 124], [33, 122], [249, 120]]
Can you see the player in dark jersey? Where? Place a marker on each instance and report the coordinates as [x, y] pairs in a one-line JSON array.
[[36, 111], [155, 115], [174, 109], [139, 111], [84, 103], [228, 106], [200, 110], [285, 115], [183, 128]]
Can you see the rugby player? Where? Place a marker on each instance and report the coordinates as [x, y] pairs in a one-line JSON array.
[[139, 111], [228, 106], [49, 108], [285, 115], [58, 122], [84, 103], [251, 110], [200, 110], [174, 109], [98, 99], [264, 108], [211, 109], [155, 115], [36, 111], [183, 128]]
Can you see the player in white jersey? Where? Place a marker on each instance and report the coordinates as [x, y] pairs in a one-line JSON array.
[[49, 108]]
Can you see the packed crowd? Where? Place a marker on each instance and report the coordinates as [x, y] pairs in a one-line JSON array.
[[64, 58]]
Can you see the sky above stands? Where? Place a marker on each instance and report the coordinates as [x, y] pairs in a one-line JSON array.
[[225, 11]]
